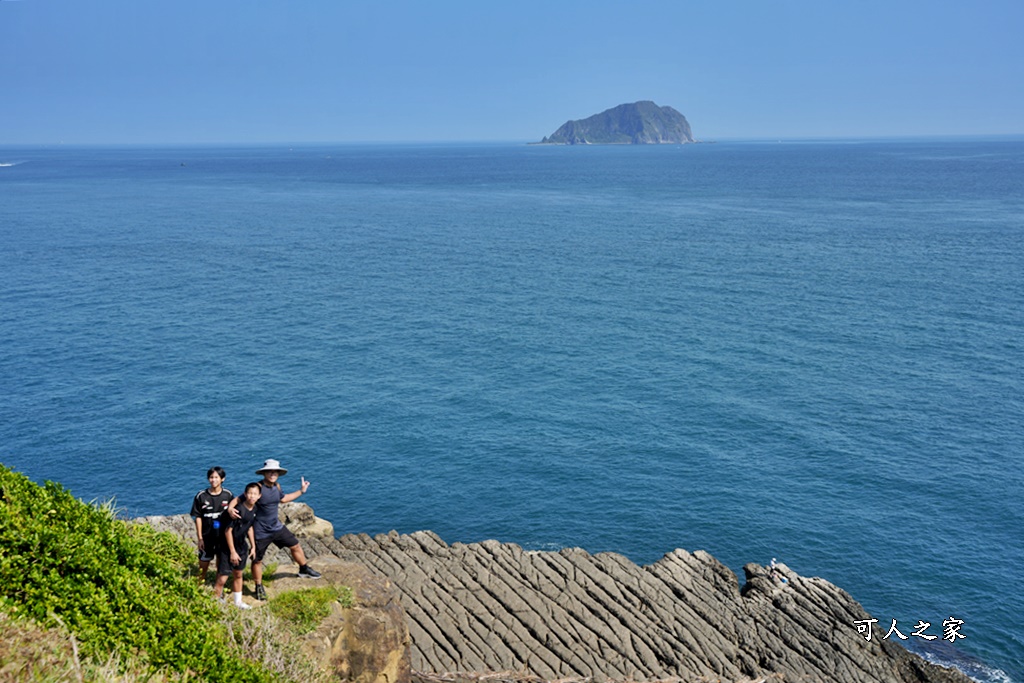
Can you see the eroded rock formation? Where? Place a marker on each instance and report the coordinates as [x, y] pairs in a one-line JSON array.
[[494, 607]]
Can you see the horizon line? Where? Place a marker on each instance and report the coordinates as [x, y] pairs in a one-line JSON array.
[[519, 141]]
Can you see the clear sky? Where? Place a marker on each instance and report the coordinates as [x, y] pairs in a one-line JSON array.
[[150, 71]]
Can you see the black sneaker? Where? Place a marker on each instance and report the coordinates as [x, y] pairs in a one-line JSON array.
[[308, 572], [261, 592]]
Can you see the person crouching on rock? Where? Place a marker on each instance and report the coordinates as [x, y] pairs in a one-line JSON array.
[[239, 544], [269, 529]]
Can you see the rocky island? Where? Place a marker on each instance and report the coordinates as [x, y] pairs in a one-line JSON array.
[[639, 123], [494, 611]]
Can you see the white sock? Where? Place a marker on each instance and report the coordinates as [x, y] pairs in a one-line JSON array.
[[237, 597]]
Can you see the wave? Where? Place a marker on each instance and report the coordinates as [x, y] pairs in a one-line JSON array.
[[973, 668], [5, 164]]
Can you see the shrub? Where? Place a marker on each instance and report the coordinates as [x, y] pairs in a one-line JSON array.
[[119, 588]]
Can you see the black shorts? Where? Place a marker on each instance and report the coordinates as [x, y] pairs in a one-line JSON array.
[[282, 538], [224, 566], [211, 544]]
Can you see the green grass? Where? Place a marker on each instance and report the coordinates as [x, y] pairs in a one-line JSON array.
[[303, 610], [268, 573], [121, 590], [30, 653]]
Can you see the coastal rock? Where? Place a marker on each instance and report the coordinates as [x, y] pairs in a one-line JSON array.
[[182, 525], [365, 643], [300, 519], [494, 607], [298, 516], [639, 123], [495, 610]]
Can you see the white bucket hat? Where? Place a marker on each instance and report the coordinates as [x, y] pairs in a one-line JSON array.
[[270, 465]]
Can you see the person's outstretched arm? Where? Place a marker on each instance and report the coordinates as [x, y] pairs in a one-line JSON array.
[[295, 494]]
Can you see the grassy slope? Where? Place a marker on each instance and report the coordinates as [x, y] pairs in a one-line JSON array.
[[121, 590]]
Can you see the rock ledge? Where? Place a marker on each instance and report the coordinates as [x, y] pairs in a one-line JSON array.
[[494, 607], [493, 611]]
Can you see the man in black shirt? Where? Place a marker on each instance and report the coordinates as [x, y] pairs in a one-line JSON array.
[[268, 527]]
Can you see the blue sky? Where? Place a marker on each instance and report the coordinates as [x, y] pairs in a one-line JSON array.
[[127, 71]]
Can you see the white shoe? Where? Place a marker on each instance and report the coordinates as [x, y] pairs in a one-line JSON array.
[[242, 605]]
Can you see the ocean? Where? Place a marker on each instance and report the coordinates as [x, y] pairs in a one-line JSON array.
[[810, 351]]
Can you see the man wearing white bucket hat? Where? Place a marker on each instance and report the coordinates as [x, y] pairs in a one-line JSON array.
[[268, 527]]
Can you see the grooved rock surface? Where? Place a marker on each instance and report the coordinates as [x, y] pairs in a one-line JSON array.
[[495, 607]]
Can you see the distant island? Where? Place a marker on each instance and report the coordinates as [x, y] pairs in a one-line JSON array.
[[640, 123]]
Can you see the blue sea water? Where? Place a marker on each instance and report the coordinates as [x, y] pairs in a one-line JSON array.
[[809, 351]]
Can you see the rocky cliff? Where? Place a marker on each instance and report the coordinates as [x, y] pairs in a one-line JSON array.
[[640, 123], [494, 607]]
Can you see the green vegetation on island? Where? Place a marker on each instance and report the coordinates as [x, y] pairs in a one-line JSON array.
[[639, 123]]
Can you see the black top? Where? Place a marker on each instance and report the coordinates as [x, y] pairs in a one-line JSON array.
[[240, 527], [210, 507]]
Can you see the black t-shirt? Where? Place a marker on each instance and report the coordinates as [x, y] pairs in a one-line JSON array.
[[240, 527], [210, 507]]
